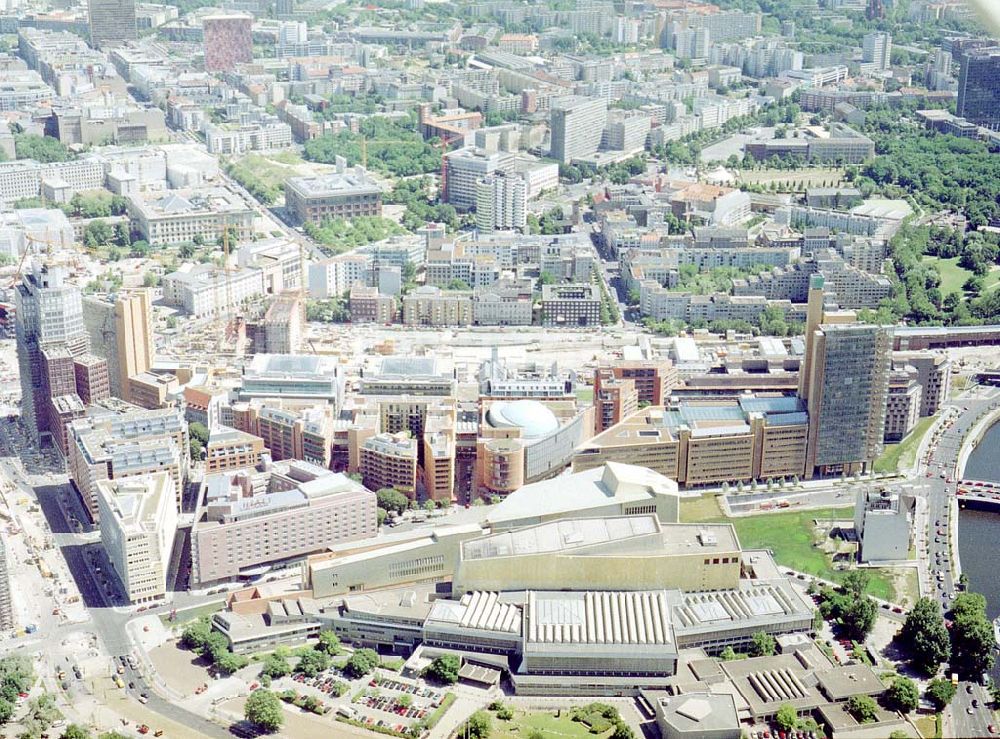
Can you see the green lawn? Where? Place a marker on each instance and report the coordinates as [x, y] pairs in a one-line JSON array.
[[585, 395], [792, 538], [904, 453], [546, 722], [702, 508], [953, 276]]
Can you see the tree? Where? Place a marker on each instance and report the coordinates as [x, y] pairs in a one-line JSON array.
[[903, 695], [276, 666], [98, 233], [728, 655], [43, 149], [863, 708], [76, 731], [392, 500], [444, 669], [547, 278], [361, 663], [622, 731], [198, 430], [925, 637], [228, 663], [940, 692], [786, 717], [313, 662], [858, 610], [972, 638], [762, 644], [16, 676], [263, 709], [329, 642], [6, 710], [478, 726], [898, 734]]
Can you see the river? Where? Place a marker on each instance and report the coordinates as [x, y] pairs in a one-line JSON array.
[[977, 530]]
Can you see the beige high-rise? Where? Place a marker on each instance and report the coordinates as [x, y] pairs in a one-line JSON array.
[[133, 335]]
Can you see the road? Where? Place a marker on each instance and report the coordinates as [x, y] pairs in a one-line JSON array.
[[940, 464]]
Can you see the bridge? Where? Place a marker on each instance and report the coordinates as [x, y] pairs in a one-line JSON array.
[[978, 495]]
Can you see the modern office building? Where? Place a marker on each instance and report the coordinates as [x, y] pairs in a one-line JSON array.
[[118, 440], [284, 325], [883, 521], [614, 400], [293, 376], [51, 336], [112, 22], [271, 516], [466, 168], [121, 331], [844, 380], [228, 41], [702, 441], [577, 127], [877, 49], [6, 606], [979, 87], [342, 194], [138, 519], [183, 215], [571, 306]]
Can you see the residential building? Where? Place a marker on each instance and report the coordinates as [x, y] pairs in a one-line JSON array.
[[654, 379], [876, 49], [504, 303], [902, 405], [368, 305], [253, 519], [933, 375], [228, 41], [432, 306], [614, 400], [138, 520], [390, 461], [341, 194], [501, 204], [577, 126], [231, 449]]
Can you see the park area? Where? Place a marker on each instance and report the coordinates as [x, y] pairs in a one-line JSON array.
[[546, 723], [802, 541], [953, 276]]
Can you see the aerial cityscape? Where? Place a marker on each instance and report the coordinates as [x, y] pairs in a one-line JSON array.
[[511, 369]]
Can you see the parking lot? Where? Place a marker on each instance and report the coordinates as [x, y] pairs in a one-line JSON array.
[[394, 703]]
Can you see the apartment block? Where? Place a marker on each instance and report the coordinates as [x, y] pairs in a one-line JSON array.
[[654, 379], [902, 405], [284, 325], [614, 400], [432, 306], [389, 460], [231, 449], [933, 375], [367, 305]]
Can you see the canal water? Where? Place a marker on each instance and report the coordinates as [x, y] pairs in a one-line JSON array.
[[978, 530]]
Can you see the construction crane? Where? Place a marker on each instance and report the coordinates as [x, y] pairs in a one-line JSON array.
[[24, 256]]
